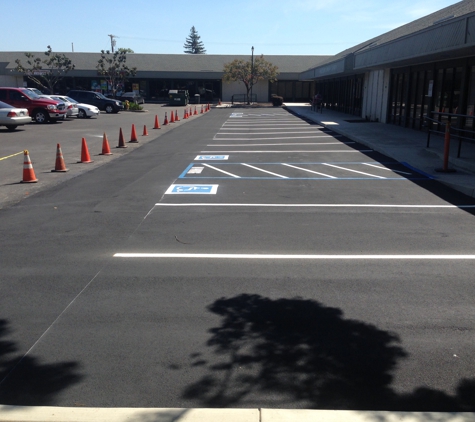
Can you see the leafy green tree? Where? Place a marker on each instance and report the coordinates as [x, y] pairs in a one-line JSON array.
[[250, 73], [113, 66], [193, 45], [45, 72]]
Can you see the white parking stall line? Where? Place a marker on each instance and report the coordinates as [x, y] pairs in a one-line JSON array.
[[354, 171], [317, 132], [385, 168], [264, 171], [322, 151], [309, 171], [279, 144], [222, 171], [260, 205], [295, 257], [272, 138]]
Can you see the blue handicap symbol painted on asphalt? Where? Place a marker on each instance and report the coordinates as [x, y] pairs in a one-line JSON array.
[[211, 157], [192, 189]]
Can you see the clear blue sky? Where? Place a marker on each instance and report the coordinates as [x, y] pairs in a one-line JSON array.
[[308, 27]]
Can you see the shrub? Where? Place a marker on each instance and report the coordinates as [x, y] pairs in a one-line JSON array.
[[277, 101]]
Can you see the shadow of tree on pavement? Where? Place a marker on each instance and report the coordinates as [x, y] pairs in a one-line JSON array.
[[302, 352], [25, 380]]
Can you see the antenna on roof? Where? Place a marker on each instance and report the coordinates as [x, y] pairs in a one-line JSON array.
[[113, 41]]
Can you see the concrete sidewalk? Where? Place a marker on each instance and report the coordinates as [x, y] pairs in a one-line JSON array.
[[404, 145], [61, 414]]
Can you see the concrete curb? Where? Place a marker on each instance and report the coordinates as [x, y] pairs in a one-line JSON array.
[[67, 414]]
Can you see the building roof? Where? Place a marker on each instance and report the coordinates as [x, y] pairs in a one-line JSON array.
[[171, 65], [439, 31]]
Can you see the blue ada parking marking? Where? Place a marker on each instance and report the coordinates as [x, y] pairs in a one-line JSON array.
[[211, 157], [192, 189], [327, 171]]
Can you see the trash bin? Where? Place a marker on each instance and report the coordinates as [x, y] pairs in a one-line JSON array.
[[178, 97], [197, 99]]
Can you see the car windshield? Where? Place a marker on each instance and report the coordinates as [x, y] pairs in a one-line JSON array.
[[101, 96], [30, 94], [71, 100]]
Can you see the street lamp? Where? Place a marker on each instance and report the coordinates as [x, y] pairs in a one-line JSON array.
[[252, 69]]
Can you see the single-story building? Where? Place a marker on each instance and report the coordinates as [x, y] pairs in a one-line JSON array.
[[157, 73]]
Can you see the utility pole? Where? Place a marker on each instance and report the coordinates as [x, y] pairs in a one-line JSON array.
[[113, 41]]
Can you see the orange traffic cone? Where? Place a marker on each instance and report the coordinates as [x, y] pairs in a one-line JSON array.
[[133, 135], [208, 108], [202, 110], [105, 146], [28, 172], [185, 114], [165, 122], [121, 140], [85, 157], [59, 165], [219, 102], [156, 125], [176, 116], [172, 118], [195, 113], [145, 131]]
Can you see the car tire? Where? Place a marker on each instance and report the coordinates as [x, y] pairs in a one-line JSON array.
[[40, 116], [81, 114], [109, 109], [12, 127]]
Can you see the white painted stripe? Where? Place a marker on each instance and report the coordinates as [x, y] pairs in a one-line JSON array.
[[222, 171], [309, 171], [284, 256], [269, 139], [316, 132], [279, 144], [286, 152], [385, 168], [354, 171], [264, 171], [414, 206]]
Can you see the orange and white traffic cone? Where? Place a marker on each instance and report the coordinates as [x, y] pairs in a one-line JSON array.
[[176, 116], [195, 112], [121, 140], [59, 166], [105, 146], [157, 124], [145, 131], [85, 157], [219, 102], [202, 109], [133, 135], [28, 172], [185, 114], [165, 122]]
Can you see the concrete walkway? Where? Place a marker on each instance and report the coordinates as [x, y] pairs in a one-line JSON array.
[[61, 414], [404, 145]]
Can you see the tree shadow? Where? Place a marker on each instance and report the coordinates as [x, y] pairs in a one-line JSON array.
[[25, 381], [302, 352]]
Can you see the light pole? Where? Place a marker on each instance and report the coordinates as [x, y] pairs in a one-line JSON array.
[[252, 69]]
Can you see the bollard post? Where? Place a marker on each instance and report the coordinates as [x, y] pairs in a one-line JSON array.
[[445, 167]]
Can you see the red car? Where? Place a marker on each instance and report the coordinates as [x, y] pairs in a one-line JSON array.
[[40, 109]]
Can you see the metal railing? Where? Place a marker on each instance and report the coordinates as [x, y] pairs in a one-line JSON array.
[[243, 98], [460, 134]]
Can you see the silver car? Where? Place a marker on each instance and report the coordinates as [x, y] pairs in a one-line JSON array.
[[12, 117], [71, 108]]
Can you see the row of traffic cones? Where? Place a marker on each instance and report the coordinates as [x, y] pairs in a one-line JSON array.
[[60, 166]]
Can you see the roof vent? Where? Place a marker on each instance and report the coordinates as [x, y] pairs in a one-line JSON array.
[[444, 19]]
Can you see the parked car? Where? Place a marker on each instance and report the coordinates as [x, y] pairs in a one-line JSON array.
[[40, 109], [84, 110], [132, 97], [97, 99], [12, 117], [71, 108], [35, 90]]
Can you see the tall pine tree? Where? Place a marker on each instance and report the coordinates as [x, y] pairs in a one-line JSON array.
[[193, 45]]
